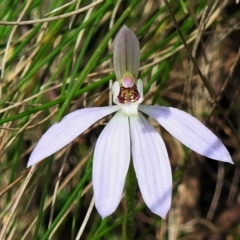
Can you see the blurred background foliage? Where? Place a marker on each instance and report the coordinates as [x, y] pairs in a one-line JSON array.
[[56, 56]]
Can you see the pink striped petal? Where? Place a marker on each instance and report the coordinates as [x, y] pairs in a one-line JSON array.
[[152, 166], [110, 164], [62, 133], [190, 131]]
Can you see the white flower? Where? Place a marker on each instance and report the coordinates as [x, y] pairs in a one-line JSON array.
[[129, 135]]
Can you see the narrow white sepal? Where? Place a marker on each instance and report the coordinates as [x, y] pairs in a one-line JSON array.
[[152, 166], [190, 131], [62, 133], [110, 164]]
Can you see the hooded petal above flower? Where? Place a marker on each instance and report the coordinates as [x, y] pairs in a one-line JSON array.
[[62, 133], [110, 164], [189, 131], [152, 166], [126, 54]]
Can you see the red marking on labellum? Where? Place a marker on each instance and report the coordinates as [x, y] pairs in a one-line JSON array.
[[128, 95]]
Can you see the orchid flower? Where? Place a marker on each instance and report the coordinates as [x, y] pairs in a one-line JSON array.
[[129, 135]]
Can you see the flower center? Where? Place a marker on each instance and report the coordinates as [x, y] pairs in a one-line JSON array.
[[128, 95]]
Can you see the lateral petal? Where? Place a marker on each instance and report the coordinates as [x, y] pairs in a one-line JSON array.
[[62, 133], [110, 164], [190, 131], [151, 164]]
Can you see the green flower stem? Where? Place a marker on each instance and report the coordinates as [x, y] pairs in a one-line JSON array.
[[128, 224]]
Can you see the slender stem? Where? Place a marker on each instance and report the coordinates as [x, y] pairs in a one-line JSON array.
[[128, 224]]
